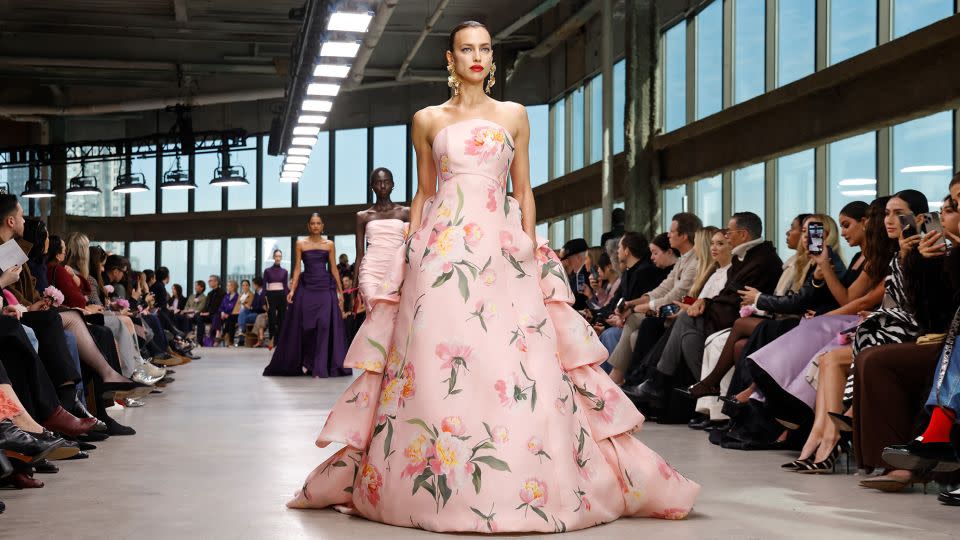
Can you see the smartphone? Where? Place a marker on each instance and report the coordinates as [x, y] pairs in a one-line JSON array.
[[581, 281], [619, 307], [931, 224], [669, 309], [908, 225], [815, 237]]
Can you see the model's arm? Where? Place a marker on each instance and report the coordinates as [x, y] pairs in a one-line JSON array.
[[360, 245], [295, 271], [520, 175], [426, 170]]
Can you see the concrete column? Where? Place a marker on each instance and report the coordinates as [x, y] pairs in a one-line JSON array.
[[606, 60], [642, 184], [57, 221]]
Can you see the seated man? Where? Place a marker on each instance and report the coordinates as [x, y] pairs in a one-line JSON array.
[[756, 264], [211, 306]]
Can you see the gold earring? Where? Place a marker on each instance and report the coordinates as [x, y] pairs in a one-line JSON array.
[[493, 79], [453, 81]]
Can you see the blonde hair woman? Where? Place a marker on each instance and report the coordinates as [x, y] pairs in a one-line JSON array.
[[803, 261], [706, 265]]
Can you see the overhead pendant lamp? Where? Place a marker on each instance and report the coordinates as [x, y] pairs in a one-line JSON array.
[[177, 177], [36, 187], [227, 175], [82, 184], [129, 181]]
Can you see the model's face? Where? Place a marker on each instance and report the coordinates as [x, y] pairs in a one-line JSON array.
[[382, 184], [896, 207], [277, 257], [472, 54], [852, 230], [315, 225]]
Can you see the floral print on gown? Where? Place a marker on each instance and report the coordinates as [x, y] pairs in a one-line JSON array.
[[481, 406]]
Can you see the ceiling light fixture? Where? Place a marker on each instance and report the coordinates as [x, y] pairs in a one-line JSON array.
[[925, 168], [304, 141], [298, 159], [318, 105], [341, 49], [298, 151], [82, 184], [296, 167], [349, 22], [306, 130], [129, 181], [859, 193], [858, 182], [36, 187], [336, 71], [177, 177], [289, 176], [227, 175], [323, 89], [312, 119]]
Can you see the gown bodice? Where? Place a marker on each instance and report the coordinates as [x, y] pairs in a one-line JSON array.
[[316, 274]]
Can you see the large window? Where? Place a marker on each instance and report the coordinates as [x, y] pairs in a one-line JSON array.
[[710, 60], [576, 226], [106, 204], [748, 49], [244, 197], [853, 28], [241, 258], [558, 233], [141, 256], [206, 198], [543, 230], [795, 192], [910, 15], [576, 129], [748, 190], [923, 157], [389, 150], [276, 194], [269, 245], [539, 141], [173, 255], [675, 77], [796, 23], [144, 202], [351, 166], [619, 103], [709, 193], [346, 244], [596, 226], [206, 259], [314, 186], [174, 200], [558, 110], [851, 172], [674, 202], [595, 87]]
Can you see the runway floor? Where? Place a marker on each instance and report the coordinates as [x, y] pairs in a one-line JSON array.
[[220, 452]]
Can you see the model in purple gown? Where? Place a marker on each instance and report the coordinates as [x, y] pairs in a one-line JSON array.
[[312, 339]]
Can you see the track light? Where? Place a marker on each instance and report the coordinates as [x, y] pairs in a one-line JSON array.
[[311, 119], [298, 159], [342, 49], [323, 89], [336, 71], [36, 187], [319, 105], [297, 151], [304, 141], [349, 22]]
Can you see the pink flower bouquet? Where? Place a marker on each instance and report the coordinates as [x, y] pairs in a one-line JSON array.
[[54, 294]]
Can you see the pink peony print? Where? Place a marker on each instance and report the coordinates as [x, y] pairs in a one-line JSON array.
[[370, 483], [417, 454], [488, 277], [611, 402], [363, 400], [535, 445], [450, 351], [354, 439], [451, 457], [586, 504], [453, 425], [492, 199], [501, 435], [472, 234], [506, 243], [668, 472], [393, 361], [533, 492], [583, 463], [390, 397], [446, 172], [407, 390], [484, 142], [507, 392], [671, 513]]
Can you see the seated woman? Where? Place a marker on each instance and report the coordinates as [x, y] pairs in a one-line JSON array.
[[226, 315], [916, 295]]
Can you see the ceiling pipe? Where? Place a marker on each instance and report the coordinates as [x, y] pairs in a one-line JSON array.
[[136, 65], [544, 6], [141, 105], [375, 31], [421, 38], [558, 36], [408, 80]]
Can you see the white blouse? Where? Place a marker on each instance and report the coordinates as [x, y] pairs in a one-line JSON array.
[[715, 283]]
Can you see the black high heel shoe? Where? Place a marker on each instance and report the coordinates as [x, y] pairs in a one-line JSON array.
[[699, 390], [829, 465], [797, 464], [843, 422]]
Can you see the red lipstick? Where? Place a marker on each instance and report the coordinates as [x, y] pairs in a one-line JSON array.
[[476, 68]]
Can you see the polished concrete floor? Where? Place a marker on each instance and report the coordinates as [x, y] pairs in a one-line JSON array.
[[218, 454]]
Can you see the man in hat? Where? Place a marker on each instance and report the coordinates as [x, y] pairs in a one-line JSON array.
[[574, 256]]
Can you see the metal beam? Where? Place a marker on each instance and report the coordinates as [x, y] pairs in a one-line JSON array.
[[142, 104], [855, 96], [370, 41], [544, 6], [427, 28], [559, 36]]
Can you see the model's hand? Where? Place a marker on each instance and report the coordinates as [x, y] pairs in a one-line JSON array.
[[11, 311], [290, 297]]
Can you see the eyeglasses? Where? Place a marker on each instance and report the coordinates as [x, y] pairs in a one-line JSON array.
[[729, 232]]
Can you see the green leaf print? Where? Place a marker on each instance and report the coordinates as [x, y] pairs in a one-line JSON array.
[[421, 423], [378, 347], [459, 205], [421, 482], [476, 483], [539, 512], [494, 463], [388, 441], [445, 490], [462, 284], [443, 278]]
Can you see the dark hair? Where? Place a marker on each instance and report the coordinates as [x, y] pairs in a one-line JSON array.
[[275, 252], [177, 291], [97, 256], [35, 232], [247, 281], [855, 210], [57, 247], [618, 216], [202, 284], [258, 281], [915, 200], [955, 180], [149, 274], [688, 224], [315, 215], [605, 261], [462, 26], [8, 205], [662, 242], [801, 218], [163, 273], [877, 248], [216, 277], [379, 170], [749, 222], [636, 244], [114, 262]]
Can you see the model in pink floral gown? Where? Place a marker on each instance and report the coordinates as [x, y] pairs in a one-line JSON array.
[[481, 406]]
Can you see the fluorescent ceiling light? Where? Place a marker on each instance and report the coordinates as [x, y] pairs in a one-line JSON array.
[[311, 119], [297, 151], [323, 89], [298, 159], [858, 182], [306, 130], [859, 193], [297, 167], [331, 70], [349, 22], [290, 179], [321, 105], [304, 141], [291, 174], [925, 168], [342, 49]]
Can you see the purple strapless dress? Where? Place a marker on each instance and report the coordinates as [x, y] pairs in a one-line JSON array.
[[312, 338]]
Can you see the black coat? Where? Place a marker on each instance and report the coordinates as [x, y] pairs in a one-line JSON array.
[[760, 268]]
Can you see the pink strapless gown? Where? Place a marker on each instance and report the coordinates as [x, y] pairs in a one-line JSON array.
[[384, 236], [481, 406]]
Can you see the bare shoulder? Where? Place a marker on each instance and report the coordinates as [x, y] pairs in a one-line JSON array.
[[426, 117]]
